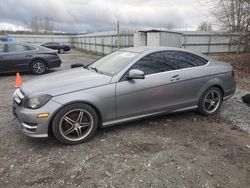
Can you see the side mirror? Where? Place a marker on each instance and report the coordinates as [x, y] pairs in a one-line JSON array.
[[76, 65], [135, 74]]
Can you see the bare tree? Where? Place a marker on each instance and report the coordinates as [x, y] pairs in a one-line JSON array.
[[34, 25], [41, 25], [204, 26], [48, 24], [234, 17]]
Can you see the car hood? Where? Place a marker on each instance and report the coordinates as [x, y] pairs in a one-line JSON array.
[[64, 82]]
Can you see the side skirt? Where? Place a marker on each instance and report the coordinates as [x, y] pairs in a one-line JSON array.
[[123, 120]]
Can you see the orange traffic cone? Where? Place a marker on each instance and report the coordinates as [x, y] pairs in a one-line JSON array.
[[19, 81]]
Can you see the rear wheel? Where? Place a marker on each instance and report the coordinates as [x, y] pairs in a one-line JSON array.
[[61, 51], [210, 101], [38, 67], [75, 123]]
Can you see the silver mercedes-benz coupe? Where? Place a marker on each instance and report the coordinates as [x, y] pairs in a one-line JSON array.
[[125, 85]]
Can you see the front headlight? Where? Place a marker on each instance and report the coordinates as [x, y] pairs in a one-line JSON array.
[[36, 102]]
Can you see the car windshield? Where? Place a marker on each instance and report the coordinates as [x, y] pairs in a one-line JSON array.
[[113, 63]]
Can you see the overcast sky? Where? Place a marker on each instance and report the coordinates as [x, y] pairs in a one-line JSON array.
[[99, 15]]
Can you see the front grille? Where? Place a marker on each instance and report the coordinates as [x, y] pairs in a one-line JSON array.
[[18, 96]]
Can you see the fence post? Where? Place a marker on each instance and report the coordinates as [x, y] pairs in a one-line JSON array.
[[81, 42], [84, 44], [89, 44], [185, 40], [229, 45], [102, 46], [239, 44], [118, 35], [95, 44], [209, 43], [111, 43]]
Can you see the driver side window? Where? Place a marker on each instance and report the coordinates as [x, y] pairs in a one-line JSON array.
[[154, 63]]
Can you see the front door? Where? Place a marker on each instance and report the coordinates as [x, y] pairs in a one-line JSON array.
[[158, 92]]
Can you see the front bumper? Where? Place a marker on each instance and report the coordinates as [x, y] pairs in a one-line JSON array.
[[30, 124]]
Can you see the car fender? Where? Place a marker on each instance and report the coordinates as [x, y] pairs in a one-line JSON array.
[[210, 83], [101, 98], [84, 97], [74, 97]]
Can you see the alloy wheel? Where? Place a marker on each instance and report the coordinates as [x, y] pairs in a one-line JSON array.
[[39, 67], [76, 124], [212, 101]]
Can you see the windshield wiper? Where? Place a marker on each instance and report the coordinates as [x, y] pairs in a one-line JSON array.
[[95, 69]]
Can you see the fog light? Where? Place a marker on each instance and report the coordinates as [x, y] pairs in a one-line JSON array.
[[44, 115]]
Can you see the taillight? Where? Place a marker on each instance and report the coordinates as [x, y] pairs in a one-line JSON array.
[[233, 72], [55, 52]]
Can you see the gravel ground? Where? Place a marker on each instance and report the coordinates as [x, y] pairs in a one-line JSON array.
[[178, 150]]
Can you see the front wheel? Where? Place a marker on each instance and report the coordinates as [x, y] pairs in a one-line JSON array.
[[210, 101], [75, 123], [38, 67]]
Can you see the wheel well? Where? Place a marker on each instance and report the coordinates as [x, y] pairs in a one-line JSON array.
[[50, 131], [220, 88], [217, 86]]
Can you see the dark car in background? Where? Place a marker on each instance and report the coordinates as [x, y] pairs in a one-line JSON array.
[[61, 48], [20, 57]]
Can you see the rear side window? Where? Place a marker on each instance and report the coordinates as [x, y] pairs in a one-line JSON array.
[[17, 48], [187, 60], [30, 48], [155, 63], [181, 60]]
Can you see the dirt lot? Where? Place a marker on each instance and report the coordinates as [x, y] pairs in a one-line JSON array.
[[178, 150]]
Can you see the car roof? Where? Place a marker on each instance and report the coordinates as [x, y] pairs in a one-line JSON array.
[[152, 49], [23, 43], [30, 44], [8, 42]]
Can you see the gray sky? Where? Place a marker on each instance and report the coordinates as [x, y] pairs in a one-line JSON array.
[[99, 15]]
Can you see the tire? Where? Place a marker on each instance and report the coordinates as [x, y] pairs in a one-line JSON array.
[[38, 67], [61, 51], [75, 124], [210, 101]]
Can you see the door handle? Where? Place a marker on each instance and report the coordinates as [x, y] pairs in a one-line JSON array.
[[29, 55], [175, 77]]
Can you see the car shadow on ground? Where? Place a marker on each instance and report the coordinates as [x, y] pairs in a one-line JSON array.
[[27, 73], [102, 133]]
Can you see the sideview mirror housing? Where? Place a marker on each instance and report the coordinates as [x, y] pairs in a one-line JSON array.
[[76, 65], [135, 74]]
